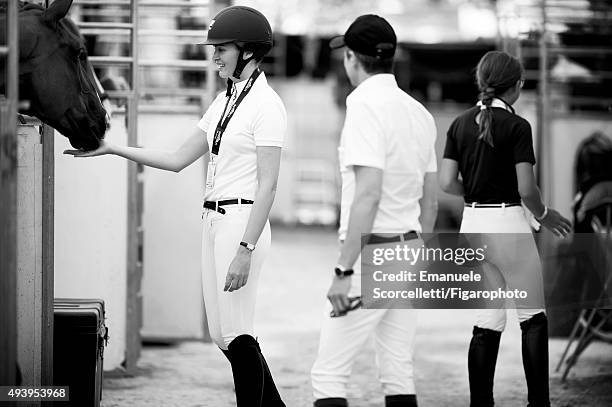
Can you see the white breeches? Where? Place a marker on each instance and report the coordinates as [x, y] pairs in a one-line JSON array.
[[229, 314]]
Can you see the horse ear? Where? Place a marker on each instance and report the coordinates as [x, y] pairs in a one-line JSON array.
[[56, 11]]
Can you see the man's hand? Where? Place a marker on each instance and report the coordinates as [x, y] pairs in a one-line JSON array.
[[238, 273], [338, 293]]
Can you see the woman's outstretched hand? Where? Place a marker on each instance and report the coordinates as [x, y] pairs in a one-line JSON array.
[[104, 148], [556, 223]]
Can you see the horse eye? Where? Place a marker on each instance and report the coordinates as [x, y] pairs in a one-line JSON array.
[[82, 54]]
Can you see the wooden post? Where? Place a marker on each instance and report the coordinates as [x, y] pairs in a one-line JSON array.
[[34, 254], [48, 238], [8, 205]]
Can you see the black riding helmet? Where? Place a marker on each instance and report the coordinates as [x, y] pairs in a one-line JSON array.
[[244, 26]]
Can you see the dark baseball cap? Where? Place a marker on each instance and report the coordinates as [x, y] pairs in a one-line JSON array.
[[368, 35]]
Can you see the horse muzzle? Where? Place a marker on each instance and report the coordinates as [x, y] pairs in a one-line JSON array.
[[83, 131]]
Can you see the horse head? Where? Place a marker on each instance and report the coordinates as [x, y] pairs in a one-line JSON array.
[[55, 76]]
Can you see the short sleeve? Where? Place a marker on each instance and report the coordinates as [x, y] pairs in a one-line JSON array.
[[451, 149], [523, 146], [432, 164], [204, 122], [363, 135], [270, 123]]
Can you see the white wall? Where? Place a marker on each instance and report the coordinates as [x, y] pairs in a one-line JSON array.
[[91, 234], [171, 286]]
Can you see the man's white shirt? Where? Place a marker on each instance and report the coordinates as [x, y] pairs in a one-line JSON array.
[[386, 128]]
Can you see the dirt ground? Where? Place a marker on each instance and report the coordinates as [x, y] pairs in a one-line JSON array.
[[291, 300]]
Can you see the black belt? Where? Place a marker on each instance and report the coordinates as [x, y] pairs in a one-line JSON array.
[[217, 205], [377, 239], [495, 205]]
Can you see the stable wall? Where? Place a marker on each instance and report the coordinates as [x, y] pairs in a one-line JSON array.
[[34, 246], [172, 222], [91, 234]]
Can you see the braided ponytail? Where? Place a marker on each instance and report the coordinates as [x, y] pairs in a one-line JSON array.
[[496, 73], [485, 117]]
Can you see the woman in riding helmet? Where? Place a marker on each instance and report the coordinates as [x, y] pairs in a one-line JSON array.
[[241, 134]]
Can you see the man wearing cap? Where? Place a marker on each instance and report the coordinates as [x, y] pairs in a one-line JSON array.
[[388, 167]]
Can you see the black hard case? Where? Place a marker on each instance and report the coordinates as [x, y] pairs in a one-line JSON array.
[[79, 337]]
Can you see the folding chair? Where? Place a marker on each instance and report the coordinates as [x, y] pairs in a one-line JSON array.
[[592, 323]]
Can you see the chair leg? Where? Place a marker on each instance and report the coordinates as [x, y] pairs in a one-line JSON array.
[[571, 339], [580, 343]]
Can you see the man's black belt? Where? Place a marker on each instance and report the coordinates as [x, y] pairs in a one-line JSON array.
[[378, 239], [217, 205]]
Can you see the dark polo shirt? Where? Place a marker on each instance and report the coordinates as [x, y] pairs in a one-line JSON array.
[[489, 173]]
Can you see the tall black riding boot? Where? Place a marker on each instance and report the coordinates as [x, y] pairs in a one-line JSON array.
[[482, 358], [331, 402], [271, 397], [227, 354], [535, 359], [401, 400], [248, 371]]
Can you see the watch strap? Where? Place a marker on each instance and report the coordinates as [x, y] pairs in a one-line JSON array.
[[249, 246], [342, 272]]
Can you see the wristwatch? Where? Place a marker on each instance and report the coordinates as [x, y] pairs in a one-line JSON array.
[[342, 272], [249, 246]]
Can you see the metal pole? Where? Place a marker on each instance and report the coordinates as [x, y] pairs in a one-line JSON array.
[[543, 141], [134, 240]]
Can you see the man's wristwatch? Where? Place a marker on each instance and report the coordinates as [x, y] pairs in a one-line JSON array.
[[249, 246], [342, 272]]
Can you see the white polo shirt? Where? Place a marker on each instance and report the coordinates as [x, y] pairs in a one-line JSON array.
[[386, 128], [260, 120]]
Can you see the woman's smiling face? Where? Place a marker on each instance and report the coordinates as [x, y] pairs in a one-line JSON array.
[[225, 57]]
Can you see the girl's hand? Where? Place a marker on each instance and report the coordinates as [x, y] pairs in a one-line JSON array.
[[238, 272], [556, 223], [104, 148]]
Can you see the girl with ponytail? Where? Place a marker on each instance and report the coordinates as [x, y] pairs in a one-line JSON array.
[[491, 147]]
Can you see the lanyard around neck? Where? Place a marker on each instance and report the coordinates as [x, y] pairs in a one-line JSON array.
[[224, 120]]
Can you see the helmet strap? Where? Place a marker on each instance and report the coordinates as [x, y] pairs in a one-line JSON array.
[[241, 63], [228, 90]]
